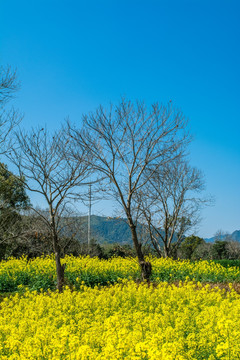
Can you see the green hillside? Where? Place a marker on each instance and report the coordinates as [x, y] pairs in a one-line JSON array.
[[108, 229]]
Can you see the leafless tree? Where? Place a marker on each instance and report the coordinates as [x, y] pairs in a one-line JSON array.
[[44, 161], [124, 141], [8, 116], [233, 249], [221, 235], [203, 251], [170, 205], [32, 237], [23, 234]]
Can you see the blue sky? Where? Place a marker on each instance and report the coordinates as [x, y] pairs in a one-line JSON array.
[[72, 56]]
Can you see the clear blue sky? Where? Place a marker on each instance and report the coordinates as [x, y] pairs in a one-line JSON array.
[[72, 56]]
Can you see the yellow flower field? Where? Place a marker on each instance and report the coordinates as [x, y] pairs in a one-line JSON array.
[[40, 272], [177, 317], [122, 321]]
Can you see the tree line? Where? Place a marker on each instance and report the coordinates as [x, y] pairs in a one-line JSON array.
[[129, 152]]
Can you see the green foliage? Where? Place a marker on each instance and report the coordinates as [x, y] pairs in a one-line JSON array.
[[118, 250], [12, 193], [189, 246], [228, 263], [13, 198], [219, 250], [33, 281]]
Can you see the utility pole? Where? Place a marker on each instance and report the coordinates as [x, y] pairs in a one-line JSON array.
[[89, 215]]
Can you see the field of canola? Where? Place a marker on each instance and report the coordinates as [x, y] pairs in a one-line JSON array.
[[39, 273], [178, 317]]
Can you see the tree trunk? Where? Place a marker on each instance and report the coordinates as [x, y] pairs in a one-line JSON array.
[[166, 251], [60, 271], [145, 266], [59, 267]]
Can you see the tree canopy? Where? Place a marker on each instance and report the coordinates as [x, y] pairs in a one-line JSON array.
[[12, 192]]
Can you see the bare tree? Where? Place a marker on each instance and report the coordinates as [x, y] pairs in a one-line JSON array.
[[20, 233], [203, 251], [170, 205], [221, 235], [33, 238], [124, 142], [224, 246], [233, 249], [8, 117], [44, 161]]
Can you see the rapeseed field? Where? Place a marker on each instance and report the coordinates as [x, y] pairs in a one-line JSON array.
[[39, 273], [180, 315]]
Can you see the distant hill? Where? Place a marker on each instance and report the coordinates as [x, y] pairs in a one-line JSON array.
[[116, 230], [234, 236], [108, 229]]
